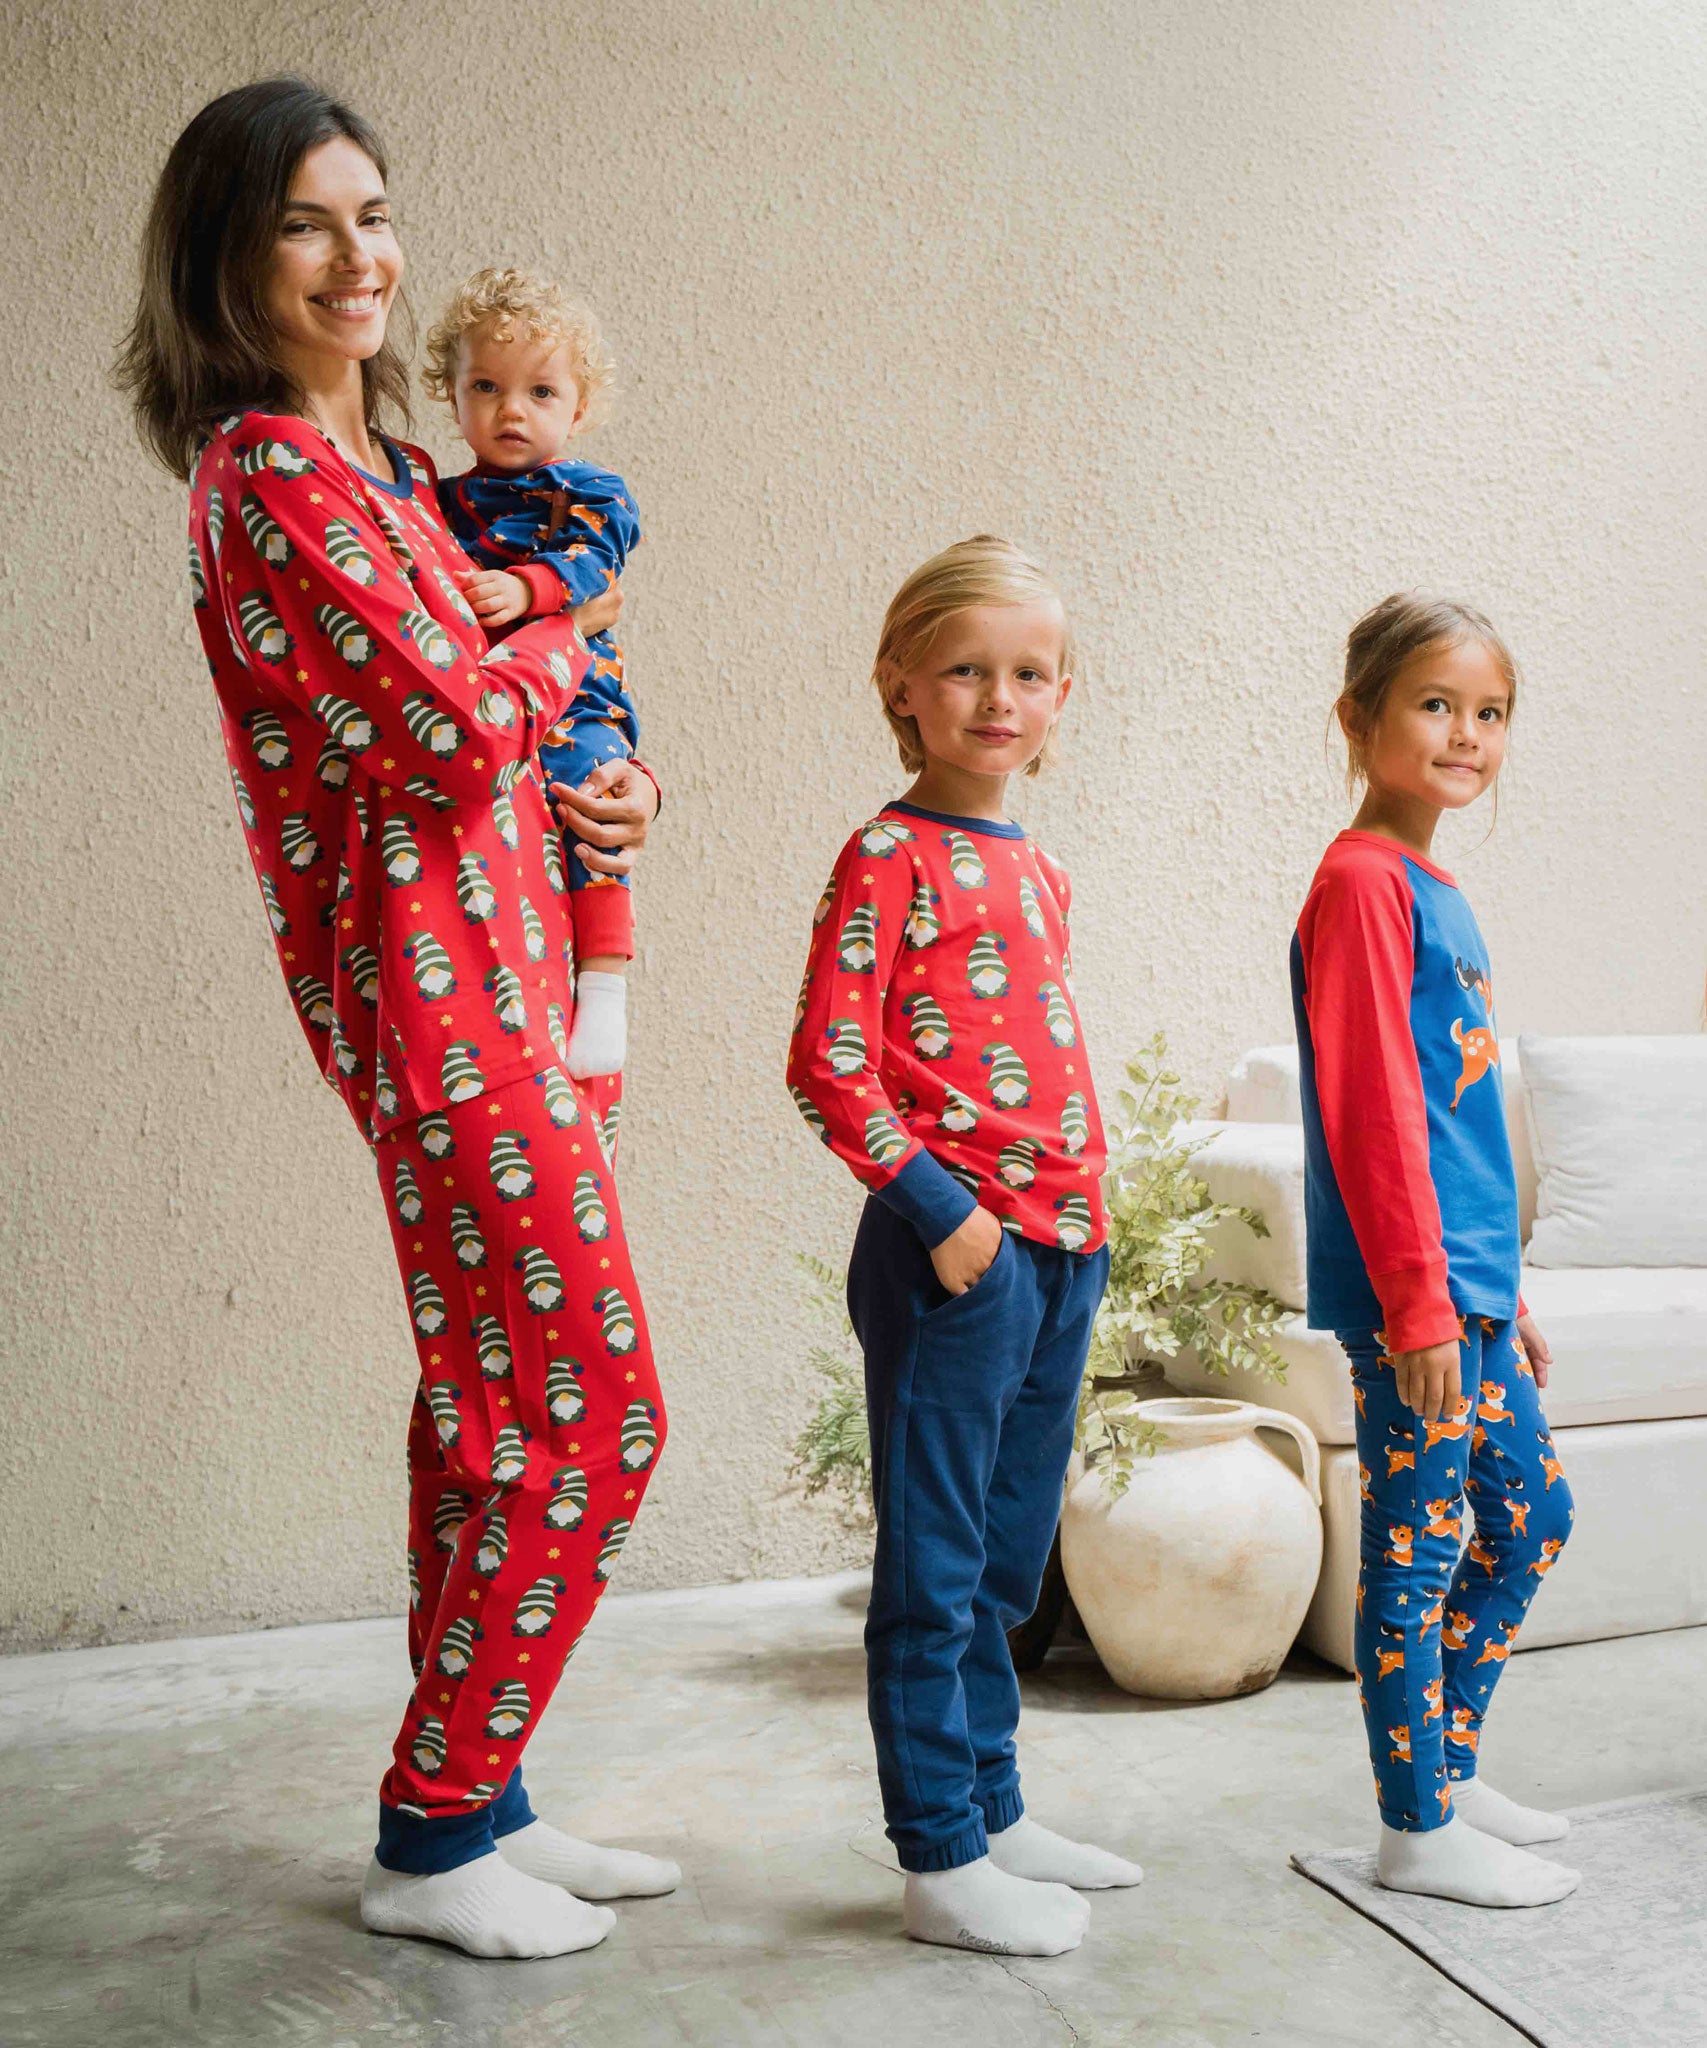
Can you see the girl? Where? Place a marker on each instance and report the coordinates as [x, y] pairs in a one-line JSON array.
[[382, 763], [1414, 1251]]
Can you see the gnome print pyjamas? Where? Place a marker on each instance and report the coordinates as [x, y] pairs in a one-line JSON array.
[[535, 1428]]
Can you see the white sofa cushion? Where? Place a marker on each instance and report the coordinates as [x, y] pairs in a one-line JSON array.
[[1258, 1166], [1629, 1344], [1263, 1089], [1619, 1133]]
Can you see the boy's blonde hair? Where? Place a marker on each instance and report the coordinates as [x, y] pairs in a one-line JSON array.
[[982, 570], [512, 303]]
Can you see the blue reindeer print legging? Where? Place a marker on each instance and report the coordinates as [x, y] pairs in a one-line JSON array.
[[1434, 1628]]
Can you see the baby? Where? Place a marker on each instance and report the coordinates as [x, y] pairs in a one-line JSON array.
[[523, 370]]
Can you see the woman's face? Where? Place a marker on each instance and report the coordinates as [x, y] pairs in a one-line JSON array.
[[335, 264]]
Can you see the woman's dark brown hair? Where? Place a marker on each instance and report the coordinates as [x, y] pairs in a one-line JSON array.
[[201, 344], [1380, 644]]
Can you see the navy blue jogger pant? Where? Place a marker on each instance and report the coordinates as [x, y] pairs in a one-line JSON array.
[[971, 1399]]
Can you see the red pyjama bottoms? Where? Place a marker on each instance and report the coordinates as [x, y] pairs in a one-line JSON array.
[[536, 1424]]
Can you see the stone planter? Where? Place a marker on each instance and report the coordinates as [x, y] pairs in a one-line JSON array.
[[1194, 1584]]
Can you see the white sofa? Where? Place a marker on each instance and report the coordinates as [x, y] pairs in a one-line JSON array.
[[1627, 1400]]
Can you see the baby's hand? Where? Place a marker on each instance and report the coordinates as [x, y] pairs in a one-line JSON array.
[[495, 596]]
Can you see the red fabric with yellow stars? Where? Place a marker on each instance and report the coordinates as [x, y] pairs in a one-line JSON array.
[[382, 761], [937, 1019], [537, 1423]]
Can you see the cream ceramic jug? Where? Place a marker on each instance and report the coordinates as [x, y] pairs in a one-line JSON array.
[[1195, 1582]]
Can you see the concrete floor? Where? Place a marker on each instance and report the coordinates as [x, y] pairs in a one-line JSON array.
[[187, 1824]]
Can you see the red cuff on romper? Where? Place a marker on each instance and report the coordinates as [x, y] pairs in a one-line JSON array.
[[603, 919], [547, 591]]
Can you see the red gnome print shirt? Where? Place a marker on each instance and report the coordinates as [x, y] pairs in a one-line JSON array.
[[382, 758], [936, 1046]]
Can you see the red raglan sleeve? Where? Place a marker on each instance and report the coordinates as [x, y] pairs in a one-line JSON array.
[[835, 1056], [312, 597], [1357, 944]]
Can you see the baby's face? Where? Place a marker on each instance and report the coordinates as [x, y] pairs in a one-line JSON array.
[[517, 402]]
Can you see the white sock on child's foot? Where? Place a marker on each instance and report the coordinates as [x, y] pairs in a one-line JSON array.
[[980, 1907], [598, 1040], [485, 1908], [1027, 1850], [588, 1870], [1455, 1862], [1492, 1813]]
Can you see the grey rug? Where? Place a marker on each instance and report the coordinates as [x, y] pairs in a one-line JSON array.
[[1622, 1963]]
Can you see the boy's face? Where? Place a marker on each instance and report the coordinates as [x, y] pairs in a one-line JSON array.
[[517, 402], [990, 687]]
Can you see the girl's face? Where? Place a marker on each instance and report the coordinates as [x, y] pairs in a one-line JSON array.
[[1440, 738], [335, 266], [990, 687], [517, 402]]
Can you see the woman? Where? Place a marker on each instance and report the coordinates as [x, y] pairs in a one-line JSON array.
[[383, 765]]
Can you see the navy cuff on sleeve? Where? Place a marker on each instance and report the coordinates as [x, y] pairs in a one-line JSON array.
[[929, 1197]]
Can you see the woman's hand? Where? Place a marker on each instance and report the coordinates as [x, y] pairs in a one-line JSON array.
[[962, 1260], [1427, 1381], [608, 814], [1535, 1349], [599, 613], [495, 596]]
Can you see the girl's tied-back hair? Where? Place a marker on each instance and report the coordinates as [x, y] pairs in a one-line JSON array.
[[1378, 647], [979, 571], [201, 344], [509, 304]]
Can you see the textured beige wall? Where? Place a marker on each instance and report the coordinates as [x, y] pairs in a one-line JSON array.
[[1239, 315]]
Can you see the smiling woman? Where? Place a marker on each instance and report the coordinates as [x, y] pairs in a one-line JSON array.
[[383, 761]]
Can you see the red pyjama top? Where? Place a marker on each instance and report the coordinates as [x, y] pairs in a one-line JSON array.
[[381, 757], [936, 1045]]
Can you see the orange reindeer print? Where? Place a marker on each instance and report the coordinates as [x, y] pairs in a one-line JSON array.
[[1387, 1662], [1359, 1399], [1399, 1461], [1491, 1407], [1432, 1617], [1549, 1557], [1400, 1753], [1479, 1553], [1402, 1538], [1474, 982], [1444, 1795], [1497, 1653], [1479, 1049], [1461, 1731], [1456, 1634], [1360, 1597], [1442, 1522], [1520, 1358], [1363, 1492], [1519, 1513], [1450, 1429], [1431, 1693], [1549, 1462]]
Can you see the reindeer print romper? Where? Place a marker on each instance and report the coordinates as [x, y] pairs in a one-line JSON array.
[[1413, 1240]]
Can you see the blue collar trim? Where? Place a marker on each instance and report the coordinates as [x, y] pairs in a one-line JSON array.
[[987, 826]]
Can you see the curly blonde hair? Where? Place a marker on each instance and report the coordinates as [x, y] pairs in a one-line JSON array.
[[979, 571], [508, 303]]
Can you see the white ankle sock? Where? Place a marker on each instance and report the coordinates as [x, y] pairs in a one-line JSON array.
[[1455, 1862], [598, 1040], [484, 1907], [1027, 1850], [1492, 1813], [980, 1907], [587, 1870]]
